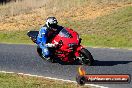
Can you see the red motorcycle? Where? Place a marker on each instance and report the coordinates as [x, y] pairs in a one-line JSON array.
[[67, 47]]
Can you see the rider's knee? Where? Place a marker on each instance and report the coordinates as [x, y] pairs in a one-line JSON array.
[[46, 53]]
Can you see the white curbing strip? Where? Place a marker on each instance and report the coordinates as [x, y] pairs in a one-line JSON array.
[[92, 85]]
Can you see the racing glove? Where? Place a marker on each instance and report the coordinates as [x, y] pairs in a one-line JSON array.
[[50, 45]]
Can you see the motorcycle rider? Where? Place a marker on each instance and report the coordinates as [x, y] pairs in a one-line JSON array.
[[46, 33]]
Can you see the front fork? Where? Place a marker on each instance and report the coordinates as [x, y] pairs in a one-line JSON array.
[[77, 54]]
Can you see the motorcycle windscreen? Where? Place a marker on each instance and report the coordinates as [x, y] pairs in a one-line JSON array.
[[65, 33]]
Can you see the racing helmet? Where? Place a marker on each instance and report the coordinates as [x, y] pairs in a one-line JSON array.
[[51, 22]]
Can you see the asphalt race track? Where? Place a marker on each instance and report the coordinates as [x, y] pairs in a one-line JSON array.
[[24, 59]]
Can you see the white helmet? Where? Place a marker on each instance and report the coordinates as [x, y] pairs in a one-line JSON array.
[[51, 22]]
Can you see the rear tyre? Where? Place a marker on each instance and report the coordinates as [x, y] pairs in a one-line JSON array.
[[39, 51], [85, 57]]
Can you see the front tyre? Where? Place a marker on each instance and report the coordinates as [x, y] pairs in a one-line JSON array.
[[85, 57]]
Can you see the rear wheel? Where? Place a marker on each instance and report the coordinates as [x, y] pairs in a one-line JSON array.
[[39, 51], [85, 57]]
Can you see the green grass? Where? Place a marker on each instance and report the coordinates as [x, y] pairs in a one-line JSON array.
[[113, 30], [21, 81], [18, 37]]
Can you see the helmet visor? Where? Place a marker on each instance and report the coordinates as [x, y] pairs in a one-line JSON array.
[[53, 25]]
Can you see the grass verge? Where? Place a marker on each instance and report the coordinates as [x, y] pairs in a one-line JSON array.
[[17, 37], [113, 30], [20, 81]]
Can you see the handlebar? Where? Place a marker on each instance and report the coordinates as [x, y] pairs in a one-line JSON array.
[[50, 45], [55, 44]]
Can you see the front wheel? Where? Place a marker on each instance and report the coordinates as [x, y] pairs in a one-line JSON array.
[[85, 57]]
